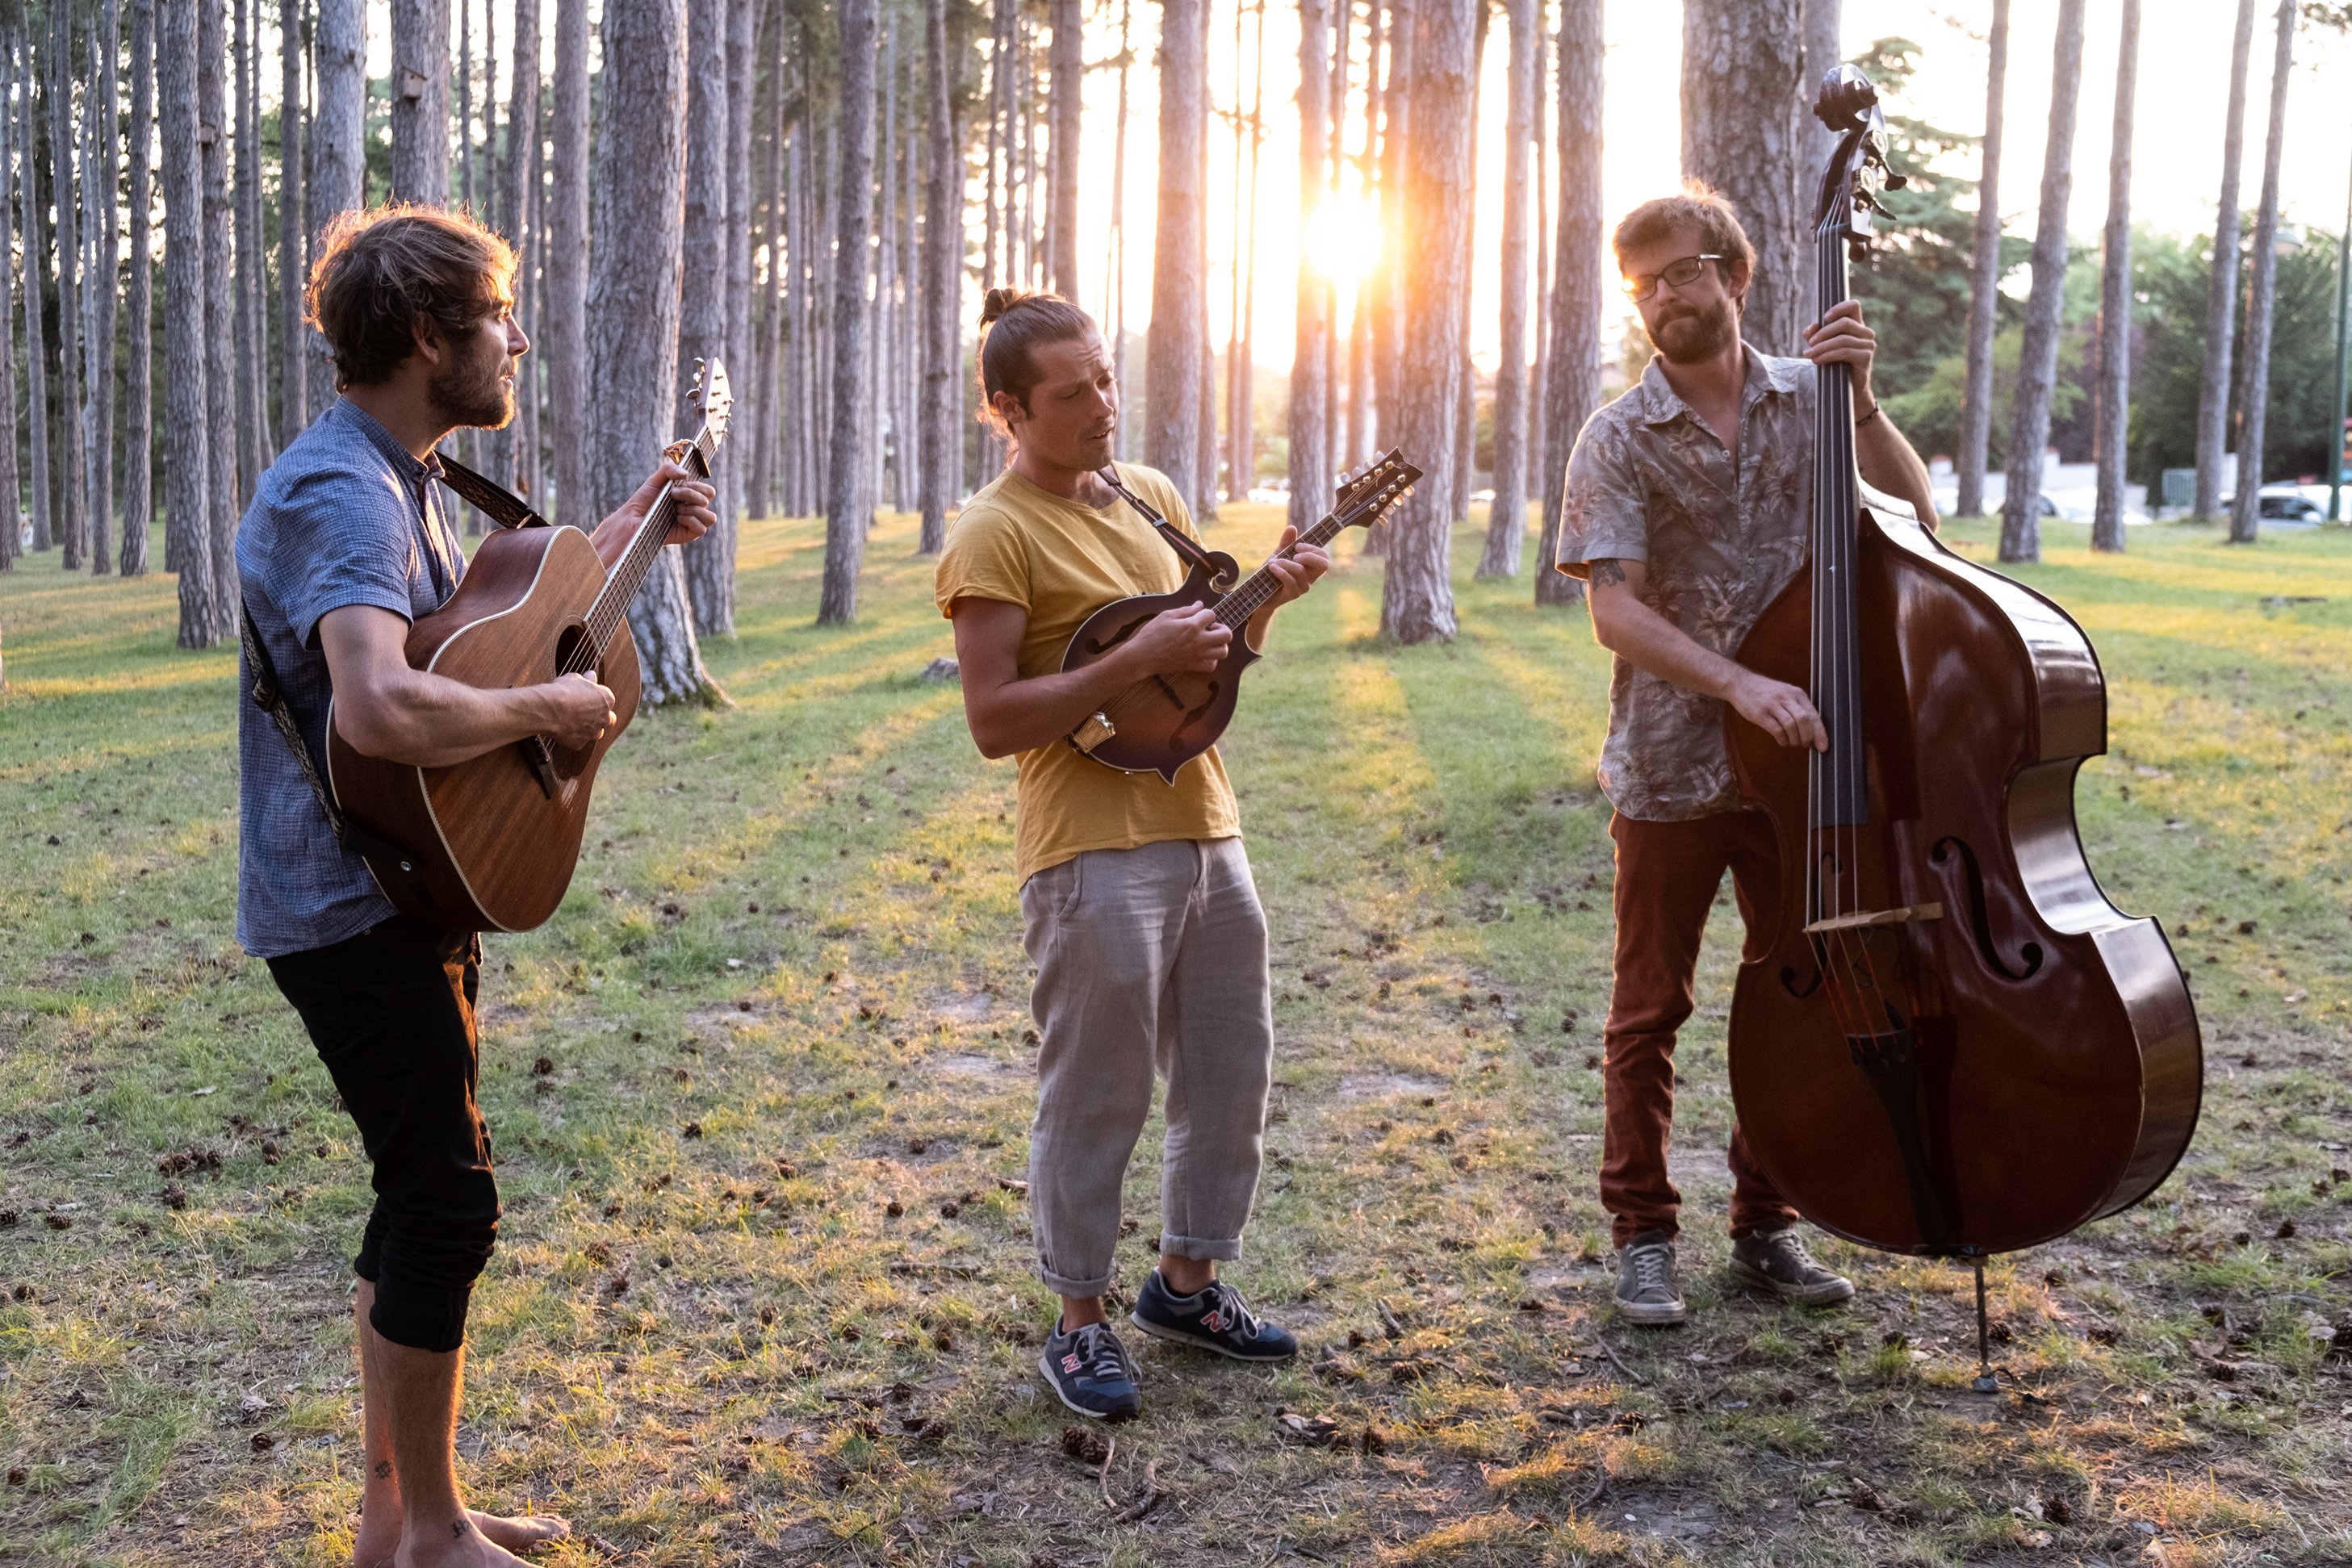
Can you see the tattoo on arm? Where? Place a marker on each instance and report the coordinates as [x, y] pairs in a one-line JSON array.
[[458, 1527], [1607, 573], [383, 1470]]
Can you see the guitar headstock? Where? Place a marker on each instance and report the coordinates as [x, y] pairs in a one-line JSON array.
[[1857, 170], [712, 399], [1368, 497]]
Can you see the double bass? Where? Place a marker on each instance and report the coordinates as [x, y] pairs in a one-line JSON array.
[[1953, 1045]]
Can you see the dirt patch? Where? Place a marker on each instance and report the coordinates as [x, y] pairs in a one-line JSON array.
[[1379, 1085], [964, 1065]]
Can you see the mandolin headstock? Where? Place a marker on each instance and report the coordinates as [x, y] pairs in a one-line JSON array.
[[1368, 497]]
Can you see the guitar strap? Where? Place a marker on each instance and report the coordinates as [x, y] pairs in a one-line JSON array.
[[502, 507]]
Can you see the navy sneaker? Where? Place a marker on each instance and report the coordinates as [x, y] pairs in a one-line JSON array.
[[1089, 1371], [1217, 1318]]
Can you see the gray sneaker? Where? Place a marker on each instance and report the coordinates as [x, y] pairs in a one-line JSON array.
[[1646, 1290], [1775, 1261]]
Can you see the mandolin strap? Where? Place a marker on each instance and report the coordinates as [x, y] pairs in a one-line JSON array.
[[1217, 565]]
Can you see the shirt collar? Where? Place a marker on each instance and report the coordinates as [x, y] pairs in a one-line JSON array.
[[404, 462], [1767, 374]]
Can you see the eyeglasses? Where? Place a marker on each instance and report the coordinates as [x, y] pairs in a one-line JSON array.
[[1680, 274]]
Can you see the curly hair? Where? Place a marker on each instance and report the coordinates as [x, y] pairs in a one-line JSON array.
[[1699, 206], [384, 272], [1013, 325]]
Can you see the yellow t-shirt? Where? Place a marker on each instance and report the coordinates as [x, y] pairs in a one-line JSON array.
[[1061, 562]]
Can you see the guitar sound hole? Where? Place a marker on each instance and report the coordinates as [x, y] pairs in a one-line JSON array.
[[567, 646]]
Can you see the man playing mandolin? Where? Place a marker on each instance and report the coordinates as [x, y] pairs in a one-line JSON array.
[[348, 541], [1142, 916], [1688, 508]]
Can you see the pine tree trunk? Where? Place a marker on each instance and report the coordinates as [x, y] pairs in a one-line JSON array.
[[1180, 299], [1745, 107], [1507, 517], [2222, 285], [73, 474], [187, 466], [465, 127], [420, 102], [1539, 241], [943, 242], [103, 284], [845, 520], [768, 376], [2116, 299], [702, 314], [515, 204], [293, 388], [1310, 460], [1823, 55], [1066, 66], [1335, 129], [1576, 286], [2037, 368], [566, 316], [1396, 224], [2254, 383], [11, 492], [338, 152], [139, 405], [253, 452], [1123, 440], [1466, 426], [1417, 595], [36, 357], [881, 363], [743, 17], [219, 311], [1206, 455], [632, 311], [531, 475], [1984, 281]]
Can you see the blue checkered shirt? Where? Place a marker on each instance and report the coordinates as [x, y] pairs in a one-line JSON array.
[[345, 517]]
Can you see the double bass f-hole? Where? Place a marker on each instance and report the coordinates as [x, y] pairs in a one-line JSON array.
[[1979, 920]]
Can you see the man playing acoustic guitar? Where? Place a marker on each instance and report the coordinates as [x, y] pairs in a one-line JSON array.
[[348, 541], [1142, 917], [1687, 508]]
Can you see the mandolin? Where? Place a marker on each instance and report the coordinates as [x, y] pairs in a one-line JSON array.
[[1946, 1041], [490, 843], [1162, 722]]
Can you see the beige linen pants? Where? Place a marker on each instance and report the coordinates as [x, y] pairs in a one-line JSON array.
[[1150, 958]]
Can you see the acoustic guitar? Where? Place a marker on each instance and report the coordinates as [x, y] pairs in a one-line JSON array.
[[490, 843], [1162, 722]]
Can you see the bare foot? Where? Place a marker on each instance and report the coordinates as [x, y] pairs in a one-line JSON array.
[[466, 1547], [524, 1533]]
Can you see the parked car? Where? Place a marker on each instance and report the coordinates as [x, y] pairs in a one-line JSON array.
[[1270, 495], [2284, 505]]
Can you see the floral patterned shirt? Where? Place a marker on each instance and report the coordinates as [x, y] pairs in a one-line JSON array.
[[1650, 482]]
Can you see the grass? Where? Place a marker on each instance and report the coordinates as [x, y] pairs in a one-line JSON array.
[[786, 995]]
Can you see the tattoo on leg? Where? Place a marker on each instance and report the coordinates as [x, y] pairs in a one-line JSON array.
[[1607, 573], [383, 1470]]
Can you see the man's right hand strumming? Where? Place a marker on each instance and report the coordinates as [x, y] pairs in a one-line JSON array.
[[1178, 639], [580, 711]]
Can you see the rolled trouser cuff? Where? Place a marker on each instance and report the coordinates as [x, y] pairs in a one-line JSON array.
[[1081, 1290], [1201, 1249], [420, 1317]]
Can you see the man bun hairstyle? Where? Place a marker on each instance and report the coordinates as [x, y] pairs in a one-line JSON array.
[[382, 272], [1699, 206], [1013, 324]]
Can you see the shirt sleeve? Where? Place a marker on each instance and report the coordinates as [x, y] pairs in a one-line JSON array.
[[984, 559], [366, 554], [1604, 515]]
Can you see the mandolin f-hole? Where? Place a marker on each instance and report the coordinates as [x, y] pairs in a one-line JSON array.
[[1980, 921]]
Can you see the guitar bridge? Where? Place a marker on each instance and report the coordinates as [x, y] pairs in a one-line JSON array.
[[1092, 732]]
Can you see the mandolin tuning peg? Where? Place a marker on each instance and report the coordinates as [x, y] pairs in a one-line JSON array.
[[1896, 182]]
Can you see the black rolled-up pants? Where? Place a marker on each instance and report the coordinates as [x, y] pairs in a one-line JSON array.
[[392, 1014]]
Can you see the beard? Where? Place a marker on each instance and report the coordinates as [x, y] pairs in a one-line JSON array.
[[1696, 334], [476, 392]]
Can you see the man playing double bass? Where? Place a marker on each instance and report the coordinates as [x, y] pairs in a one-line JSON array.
[[1688, 507]]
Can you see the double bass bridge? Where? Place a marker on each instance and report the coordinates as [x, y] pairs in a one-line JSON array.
[[1863, 919]]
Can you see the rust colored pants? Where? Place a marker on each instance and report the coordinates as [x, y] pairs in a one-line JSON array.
[[1667, 873]]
